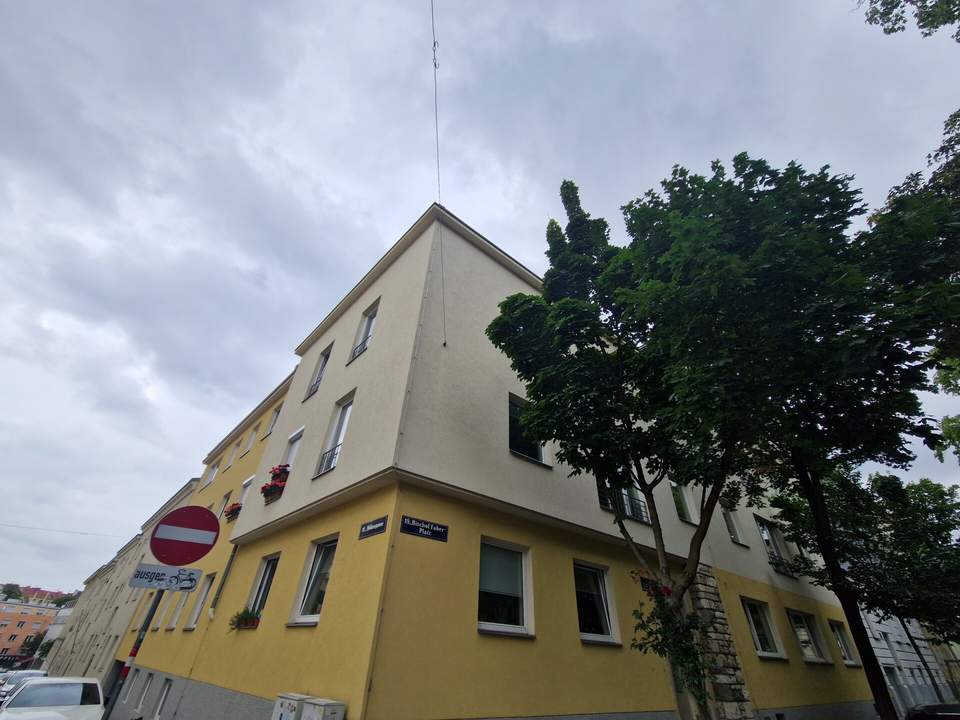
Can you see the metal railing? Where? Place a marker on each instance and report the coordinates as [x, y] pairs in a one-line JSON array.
[[780, 564], [361, 346], [328, 461], [631, 507]]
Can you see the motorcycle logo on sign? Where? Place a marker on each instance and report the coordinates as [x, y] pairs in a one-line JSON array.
[[164, 577]]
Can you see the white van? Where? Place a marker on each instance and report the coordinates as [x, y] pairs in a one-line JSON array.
[[55, 698]]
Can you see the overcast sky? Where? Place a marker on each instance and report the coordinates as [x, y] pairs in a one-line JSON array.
[[186, 189]]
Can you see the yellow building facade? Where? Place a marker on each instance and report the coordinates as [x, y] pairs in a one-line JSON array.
[[416, 565]]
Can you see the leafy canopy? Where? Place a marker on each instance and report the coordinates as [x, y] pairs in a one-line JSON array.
[[930, 15]]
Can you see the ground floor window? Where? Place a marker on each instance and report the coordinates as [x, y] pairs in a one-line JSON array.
[[843, 641], [504, 588], [758, 617], [804, 627], [593, 602], [268, 568]]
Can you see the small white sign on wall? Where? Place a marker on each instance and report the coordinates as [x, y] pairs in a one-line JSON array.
[[165, 577]]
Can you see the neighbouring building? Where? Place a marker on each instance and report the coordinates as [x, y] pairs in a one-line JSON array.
[[948, 657], [55, 632], [423, 560], [20, 623]]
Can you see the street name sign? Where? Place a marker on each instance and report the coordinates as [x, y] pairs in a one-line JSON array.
[[165, 577], [184, 535], [373, 527], [423, 528]]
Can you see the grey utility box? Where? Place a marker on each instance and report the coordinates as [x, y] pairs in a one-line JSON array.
[[323, 709]]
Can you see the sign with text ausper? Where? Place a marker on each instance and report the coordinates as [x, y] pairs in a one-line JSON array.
[[165, 577], [423, 528]]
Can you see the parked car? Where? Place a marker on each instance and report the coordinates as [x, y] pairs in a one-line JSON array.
[[934, 712], [17, 678], [55, 698]]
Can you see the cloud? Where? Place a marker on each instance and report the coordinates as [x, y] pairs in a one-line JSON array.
[[184, 194]]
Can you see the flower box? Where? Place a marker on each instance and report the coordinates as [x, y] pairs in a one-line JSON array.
[[272, 490], [248, 624], [244, 620], [232, 511]]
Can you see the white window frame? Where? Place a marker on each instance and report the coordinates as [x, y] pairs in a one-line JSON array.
[[816, 638], [336, 434], [730, 522], [526, 574], [294, 441], [233, 453], [296, 617], [164, 691], [223, 503], [255, 590], [317, 377], [251, 440], [842, 638], [143, 693], [610, 606], [177, 611], [245, 488], [206, 586], [274, 417], [678, 492], [212, 473], [133, 682], [162, 609], [771, 628], [368, 321]]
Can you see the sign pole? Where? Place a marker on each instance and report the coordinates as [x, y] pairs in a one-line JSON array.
[[141, 634]]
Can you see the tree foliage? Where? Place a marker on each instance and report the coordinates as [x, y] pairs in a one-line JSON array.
[[11, 591], [899, 543], [30, 648], [930, 15]]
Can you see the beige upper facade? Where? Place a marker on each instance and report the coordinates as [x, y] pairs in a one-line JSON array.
[[429, 398]]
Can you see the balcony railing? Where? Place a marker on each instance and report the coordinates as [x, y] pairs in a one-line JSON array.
[[780, 564], [328, 461], [631, 507], [361, 346]]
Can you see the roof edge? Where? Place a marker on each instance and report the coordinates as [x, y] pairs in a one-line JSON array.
[[435, 213]]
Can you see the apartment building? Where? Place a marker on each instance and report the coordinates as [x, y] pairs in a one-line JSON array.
[[20, 624], [423, 560], [94, 632]]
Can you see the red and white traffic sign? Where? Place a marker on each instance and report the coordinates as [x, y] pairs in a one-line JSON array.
[[184, 535]]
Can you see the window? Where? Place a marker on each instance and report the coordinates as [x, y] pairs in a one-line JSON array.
[[365, 333], [804, 627], [177, 611], [317, 577], [504, 602], [632, 504], [843, 642], [769, 533], [233, 453], [161, 611], [293, 444], [211, 473], [730, 520], [21, 624], [680, 500], [5, 651], [268, 568], [329, 459], [758, 618], [244, 489], [143, 693], [519, 442], [201, 599], [273, 419], [164, 691], [593, 604], [133, 681], [56, 695], [12, 638], [3, 624], [223, 503], [252, 439], [318, 371], [28, 638]]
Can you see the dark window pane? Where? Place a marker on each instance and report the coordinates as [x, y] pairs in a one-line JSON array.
[[591, 603], [519, 442], [90, 695], [266, 580], [48, 695], [501, 585], [497, 608]]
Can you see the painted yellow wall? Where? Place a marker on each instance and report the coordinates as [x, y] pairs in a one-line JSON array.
[[775, 683], [431, 662], [330, 659]]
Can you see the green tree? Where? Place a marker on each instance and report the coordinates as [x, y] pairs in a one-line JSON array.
[[64, 599], [30, 648], [930, 15], [594, 389], [11, 591], [898, 543]]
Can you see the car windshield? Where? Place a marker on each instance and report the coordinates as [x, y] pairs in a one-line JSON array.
[[56, 694], [19, 678]]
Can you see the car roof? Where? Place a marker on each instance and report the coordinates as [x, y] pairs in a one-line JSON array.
[[47, 680]]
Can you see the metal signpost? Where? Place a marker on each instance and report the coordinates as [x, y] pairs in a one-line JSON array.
[[181, 537]]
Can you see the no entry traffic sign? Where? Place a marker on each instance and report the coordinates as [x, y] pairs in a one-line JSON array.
[[184, 535]]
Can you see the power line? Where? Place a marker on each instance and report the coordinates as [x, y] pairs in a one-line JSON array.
[[436, 105], [57, 530]]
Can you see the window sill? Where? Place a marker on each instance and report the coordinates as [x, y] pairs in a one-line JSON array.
[[772, 656], [740, 543], [354, 357], [242, 454], [309, 395], [189, 628], [170, 629], [504, 631], [689, 522], [321, 474], [302, 623], [599, 640], [852, 664], [818, 661], [266, 436], [529, 459]]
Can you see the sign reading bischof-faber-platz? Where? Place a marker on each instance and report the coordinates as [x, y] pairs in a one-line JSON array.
[[373, 527], [423, 528], [165, 577]]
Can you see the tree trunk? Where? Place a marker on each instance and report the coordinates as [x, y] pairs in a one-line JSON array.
[[813, 491], [916, 649]]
